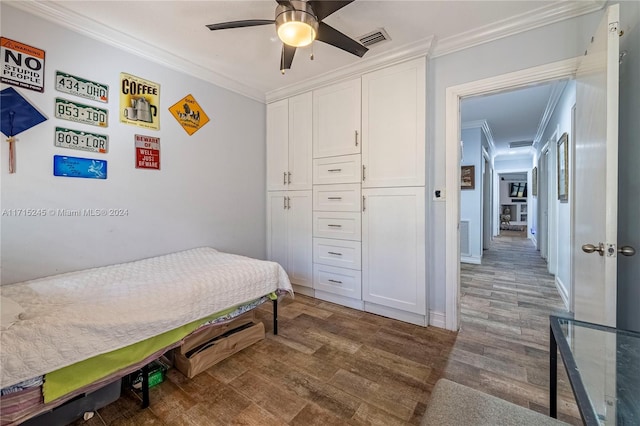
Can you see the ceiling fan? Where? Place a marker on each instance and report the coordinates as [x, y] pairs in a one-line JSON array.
[[298, 24]]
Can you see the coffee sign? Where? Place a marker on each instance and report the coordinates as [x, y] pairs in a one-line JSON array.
[[139, 102]]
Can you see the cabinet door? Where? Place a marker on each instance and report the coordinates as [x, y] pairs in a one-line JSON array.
[[299, 238], [277, 145], [300, 142], [393, 248], [336, 119], [393, 125], [277, 227]]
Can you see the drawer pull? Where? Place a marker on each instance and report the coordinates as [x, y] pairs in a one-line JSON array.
[[334, 170], [334, 226], [363, 172], [334, 198], [334, 253], [334, 281]]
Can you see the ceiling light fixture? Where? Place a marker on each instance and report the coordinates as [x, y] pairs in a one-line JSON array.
[[296, 24]]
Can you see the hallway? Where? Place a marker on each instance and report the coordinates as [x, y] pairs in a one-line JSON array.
[[503, 344]]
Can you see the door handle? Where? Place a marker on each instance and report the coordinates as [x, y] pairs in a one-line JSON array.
[[284, 179], [626, 250], [356, 132], [289, 178], [590, 248]]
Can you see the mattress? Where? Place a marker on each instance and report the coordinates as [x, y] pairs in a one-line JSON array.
[[71, 317]]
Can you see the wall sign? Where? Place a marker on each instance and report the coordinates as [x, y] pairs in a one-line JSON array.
[[77, 86], [147, 152], [22, 65], [189, 114], [79, 167], [81, 113], [83, 141], [139, 102]]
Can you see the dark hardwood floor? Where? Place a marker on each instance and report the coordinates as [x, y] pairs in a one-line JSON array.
[[332, 365]]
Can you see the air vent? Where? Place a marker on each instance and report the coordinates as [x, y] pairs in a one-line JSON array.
[[521, 144], [375, 37]]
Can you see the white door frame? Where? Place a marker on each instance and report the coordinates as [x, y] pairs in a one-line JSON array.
[[513, 80]]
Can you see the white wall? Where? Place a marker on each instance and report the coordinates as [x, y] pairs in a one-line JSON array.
[[471, 199], [560, 123], [209, 191], [629, 173], [555, 42]]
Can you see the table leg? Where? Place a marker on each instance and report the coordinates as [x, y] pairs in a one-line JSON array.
[[553, 376]]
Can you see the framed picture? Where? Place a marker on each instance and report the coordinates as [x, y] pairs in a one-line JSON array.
[[468, 177], [534, 182], [518, 189], [563, 168]]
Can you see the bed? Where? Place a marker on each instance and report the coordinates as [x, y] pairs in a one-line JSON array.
[[80, 330]]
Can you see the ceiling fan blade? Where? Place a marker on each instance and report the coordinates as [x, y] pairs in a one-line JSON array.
[[323, 8], [287, 57], [286, 3], [240, 24], [330, 35]]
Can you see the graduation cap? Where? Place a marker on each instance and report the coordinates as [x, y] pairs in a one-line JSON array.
[[16, 116]]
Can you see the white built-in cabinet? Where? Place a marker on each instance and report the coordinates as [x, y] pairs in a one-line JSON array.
[[367, 210], [289, 141], [289, 184], [336, 119]]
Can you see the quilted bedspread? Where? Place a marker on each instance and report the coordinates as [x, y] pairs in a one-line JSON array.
[[74, 316]]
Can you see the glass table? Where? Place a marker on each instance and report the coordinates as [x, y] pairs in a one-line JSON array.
[[603, 365]]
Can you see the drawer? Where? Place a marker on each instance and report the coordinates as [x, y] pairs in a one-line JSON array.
[[339, 225], [337, 198], [341, 281], [340, 253], [332, 170]]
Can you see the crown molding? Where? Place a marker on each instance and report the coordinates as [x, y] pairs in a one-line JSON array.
[[98, 31], [554, 97], [420, 48], [540, 17], [484, 126]]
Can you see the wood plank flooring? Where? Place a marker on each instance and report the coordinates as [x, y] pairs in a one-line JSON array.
[[332, 365]]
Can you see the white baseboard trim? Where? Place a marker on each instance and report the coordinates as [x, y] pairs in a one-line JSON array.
[[297, 289], [564, 293], [340, 300], [471, 259], [437, 319], [385, 311]]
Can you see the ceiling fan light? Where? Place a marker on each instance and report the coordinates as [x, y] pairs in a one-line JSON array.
[[296, 27]]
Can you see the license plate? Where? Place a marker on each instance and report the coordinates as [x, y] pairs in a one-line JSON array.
[[83, 141], [79, 167], [78, 86], [81, 113]]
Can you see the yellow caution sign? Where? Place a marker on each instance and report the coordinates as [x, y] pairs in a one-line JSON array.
[[189, 114]]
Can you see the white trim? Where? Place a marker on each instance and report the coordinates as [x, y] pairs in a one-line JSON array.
[[98, 31], [388, 312], [340, 300], [471, 259], [564, 293], [437, 319], [548, 72], [297, 289], [484, 125], [556, 93], [418, 49], [540, 17]]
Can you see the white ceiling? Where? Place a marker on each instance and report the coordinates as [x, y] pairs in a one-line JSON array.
[[513, 116], [246, 60]]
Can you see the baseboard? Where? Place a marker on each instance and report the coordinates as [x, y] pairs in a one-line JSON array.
[[303, 290], [564, 294], [437, 319], [388, 312], [340, 300], [471, 259]]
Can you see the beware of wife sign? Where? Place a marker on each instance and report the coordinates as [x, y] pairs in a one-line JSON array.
[[147, 152]]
